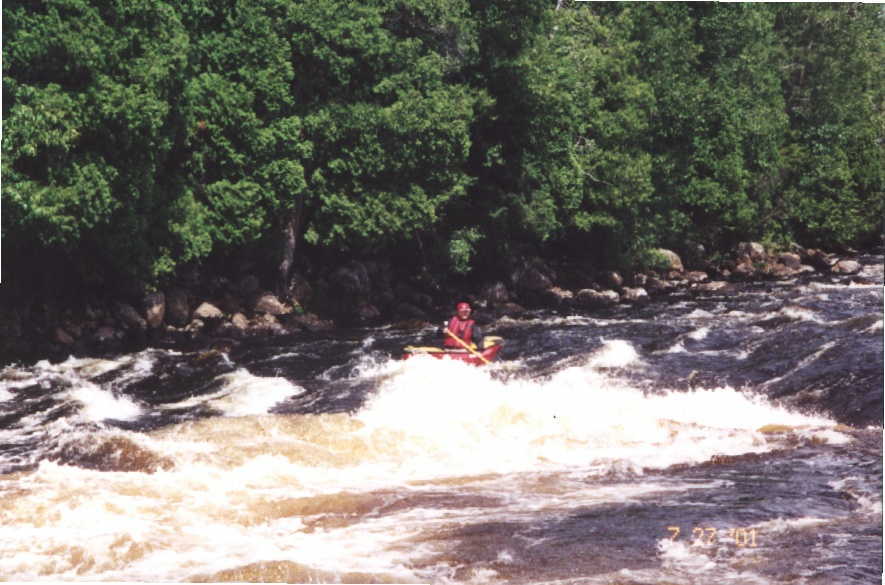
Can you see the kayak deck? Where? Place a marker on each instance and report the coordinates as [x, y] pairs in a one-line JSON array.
[[489, 353]]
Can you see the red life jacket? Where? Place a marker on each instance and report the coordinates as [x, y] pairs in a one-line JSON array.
[[463, 329]]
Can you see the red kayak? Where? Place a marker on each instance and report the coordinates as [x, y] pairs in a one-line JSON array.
[[489, 354]]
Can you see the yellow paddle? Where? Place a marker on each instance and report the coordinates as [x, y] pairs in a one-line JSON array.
[[465, 346]]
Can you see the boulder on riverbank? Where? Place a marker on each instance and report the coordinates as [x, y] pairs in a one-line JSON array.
[[268, 303], [635, 295], [846, 267], [672, 261], [558, 297], [753, 262], [207, 312], [591, 299], [536, 277], [369, 293]]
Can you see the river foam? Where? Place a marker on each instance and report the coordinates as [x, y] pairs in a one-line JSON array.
[[244, 394], [386, 492]]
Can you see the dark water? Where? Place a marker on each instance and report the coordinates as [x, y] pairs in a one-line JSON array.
[[731, 437]]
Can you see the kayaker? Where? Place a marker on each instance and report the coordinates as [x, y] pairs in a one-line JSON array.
[[463, 326]]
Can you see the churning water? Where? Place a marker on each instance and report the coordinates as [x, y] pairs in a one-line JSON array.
[[731, 437]]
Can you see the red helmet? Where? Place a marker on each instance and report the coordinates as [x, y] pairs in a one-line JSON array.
[[460, 306]]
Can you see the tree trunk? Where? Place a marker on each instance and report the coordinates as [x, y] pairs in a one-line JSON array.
[[291, 228]]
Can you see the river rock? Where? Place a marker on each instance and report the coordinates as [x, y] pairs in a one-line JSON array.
[[744, 270], [634, 295], [752, 250], [177, 307], [657, 286], [790, 260], [195, 327], [113, 453], [673, 261], [207, 312], [697, 276], [611, 279], [239, 321], [713, 286], [265, 323], [130, 317], [154, 309], [310, 322], [797, 249], [591, 299], [819, 259], [779, 271], [559, 297], [229, 330], [268, 303], [846, 267]]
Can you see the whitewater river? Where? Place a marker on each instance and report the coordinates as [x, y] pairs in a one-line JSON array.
[[728, 438]]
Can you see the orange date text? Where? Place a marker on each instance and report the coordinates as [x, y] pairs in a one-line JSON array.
[[707, 535]]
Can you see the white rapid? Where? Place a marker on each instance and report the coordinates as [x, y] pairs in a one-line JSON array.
[[372, 495]]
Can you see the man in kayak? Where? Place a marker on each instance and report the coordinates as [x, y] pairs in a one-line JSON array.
[[463, 327]]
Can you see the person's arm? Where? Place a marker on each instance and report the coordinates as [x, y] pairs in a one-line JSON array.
[[442, 330]]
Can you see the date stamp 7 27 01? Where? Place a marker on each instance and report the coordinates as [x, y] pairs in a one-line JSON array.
[[703, 535]]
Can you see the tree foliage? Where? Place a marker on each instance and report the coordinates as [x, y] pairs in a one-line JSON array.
[[833, 188], [142, 136]]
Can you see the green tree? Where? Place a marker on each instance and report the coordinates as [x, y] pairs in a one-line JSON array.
[[243, 146], [140, 137], [832, 77], [377, 87], [86, 131], [717, 120], [586, 169], [499, 131]]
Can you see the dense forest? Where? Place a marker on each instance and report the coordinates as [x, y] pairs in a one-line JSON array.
[[144, 137]]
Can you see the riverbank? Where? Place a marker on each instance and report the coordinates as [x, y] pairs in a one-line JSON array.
[[218, 312]]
